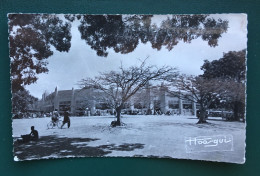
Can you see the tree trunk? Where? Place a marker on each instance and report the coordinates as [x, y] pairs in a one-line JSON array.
[[202, 116], [118, 115]]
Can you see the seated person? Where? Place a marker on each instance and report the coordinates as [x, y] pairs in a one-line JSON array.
[[33, 136]]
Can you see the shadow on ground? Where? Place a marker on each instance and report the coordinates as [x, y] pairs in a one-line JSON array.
[[59, 147], [209, 125], [123, 147]]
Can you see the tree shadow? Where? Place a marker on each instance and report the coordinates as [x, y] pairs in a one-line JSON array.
[[209, 125], [123, 147], [210, 119], [218, 120], [61, 147]]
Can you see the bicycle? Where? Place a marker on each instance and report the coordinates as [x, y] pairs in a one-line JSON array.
[[53, 124]]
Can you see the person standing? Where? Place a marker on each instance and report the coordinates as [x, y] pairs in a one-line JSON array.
[[66, 119]]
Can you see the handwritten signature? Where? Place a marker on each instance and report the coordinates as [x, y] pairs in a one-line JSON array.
[[209, 143]]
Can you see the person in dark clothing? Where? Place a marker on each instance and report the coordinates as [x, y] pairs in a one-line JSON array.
[[66, 119], [34, 136]]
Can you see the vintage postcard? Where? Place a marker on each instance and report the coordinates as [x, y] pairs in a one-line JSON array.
[[164, 86]]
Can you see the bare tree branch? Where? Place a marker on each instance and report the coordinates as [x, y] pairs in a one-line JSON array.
[[120, 86]]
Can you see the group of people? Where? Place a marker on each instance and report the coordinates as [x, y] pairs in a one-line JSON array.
[[34, 135], [56, 115]]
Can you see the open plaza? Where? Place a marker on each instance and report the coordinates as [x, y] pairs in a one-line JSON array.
[[140, 136]]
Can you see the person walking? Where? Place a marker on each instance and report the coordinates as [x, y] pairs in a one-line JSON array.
[[66, 119]]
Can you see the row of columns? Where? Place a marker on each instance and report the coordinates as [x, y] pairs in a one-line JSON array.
[[164, 103]]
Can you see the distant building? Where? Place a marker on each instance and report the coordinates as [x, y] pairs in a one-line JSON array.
[[150, 100]]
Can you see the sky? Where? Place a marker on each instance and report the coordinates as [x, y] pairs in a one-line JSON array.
[[67, 68]]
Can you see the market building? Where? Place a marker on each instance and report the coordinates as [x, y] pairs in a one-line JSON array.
[[150, 100]]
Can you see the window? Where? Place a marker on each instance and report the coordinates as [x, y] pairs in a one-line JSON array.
[[173, 104], [187, 106]]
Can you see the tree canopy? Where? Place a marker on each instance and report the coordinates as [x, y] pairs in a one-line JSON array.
[[123, 33], [21, 101], [199, 90], [231, 66], [34, 36], [120, 86], [31, 37]]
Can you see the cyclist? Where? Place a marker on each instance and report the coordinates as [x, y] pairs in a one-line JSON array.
[[55, 116]]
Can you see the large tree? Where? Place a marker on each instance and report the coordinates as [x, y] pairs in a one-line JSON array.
[[198, 90], [31, 37], [21, 101], [120, 86], [232, 68]]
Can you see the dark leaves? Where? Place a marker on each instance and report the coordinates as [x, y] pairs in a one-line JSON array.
[[123, 33], [21, 101], [31, 36], [230, 66]]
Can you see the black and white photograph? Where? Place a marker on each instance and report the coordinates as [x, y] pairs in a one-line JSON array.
[[153, 86]]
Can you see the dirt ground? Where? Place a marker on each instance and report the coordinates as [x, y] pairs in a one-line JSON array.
[[142, 136]]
